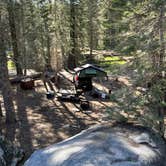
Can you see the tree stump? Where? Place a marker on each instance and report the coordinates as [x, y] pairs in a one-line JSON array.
[[27, 84]]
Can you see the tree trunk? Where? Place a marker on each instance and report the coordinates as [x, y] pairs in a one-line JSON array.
[[91, 37], [24, 51], [48, 58], [5, 88], [1, 115], [161, 64], [0, 110], [4, 78], [33, 35], [14, 37], [92, 32], [73, 37], [161, 35]]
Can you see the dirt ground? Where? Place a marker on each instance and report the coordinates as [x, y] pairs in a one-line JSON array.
[[41, 122]]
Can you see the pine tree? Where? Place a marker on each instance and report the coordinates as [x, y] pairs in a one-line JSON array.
[[10, 8], [4, 77], [72, 58]]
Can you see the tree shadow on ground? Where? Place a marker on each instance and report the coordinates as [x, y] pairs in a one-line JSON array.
[[8, 128], [23, 126], [77, 122], [42, 122]]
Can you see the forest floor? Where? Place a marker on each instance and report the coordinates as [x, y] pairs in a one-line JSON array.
[[41, 122]]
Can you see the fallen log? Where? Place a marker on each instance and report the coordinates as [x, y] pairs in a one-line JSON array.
[[117, 60]]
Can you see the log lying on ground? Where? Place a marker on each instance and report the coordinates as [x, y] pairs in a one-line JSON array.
[[19, 78], [122, 145]]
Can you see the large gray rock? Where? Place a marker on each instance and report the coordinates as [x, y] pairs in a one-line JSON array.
[[105, 146]]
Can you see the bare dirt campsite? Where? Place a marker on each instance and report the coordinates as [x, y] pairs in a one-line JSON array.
[[41, 122], [78, 75]]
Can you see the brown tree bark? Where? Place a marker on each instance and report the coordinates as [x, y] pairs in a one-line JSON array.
[[4, 77], [161, 35], [0, 110], [91, 37], [92, 28], [23, 41], [14, 36], [161, 62], [48, 58], [73, 37]]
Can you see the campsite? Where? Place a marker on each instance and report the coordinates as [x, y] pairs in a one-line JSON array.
[[82, 83]]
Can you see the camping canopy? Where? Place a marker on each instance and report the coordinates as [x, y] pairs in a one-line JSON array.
[[89, 70]]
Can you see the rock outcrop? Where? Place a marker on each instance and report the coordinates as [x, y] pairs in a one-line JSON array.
[[122, 145]]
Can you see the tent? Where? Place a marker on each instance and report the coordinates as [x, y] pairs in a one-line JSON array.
[[89, 70], [84, 74]]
